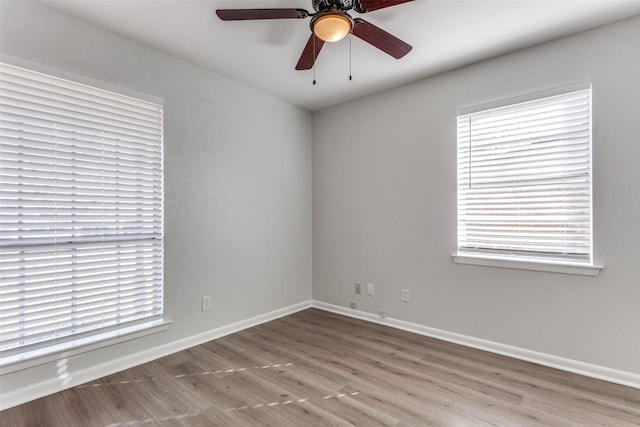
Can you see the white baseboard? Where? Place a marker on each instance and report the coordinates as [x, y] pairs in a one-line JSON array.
[[11, 398], [595, 371]]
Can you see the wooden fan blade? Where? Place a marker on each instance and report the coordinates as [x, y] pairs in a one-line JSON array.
[[247, 14], [310, 53], [369, 5], [379, 38]]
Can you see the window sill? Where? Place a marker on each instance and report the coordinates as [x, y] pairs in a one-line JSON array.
[[40, 356], [552, 267]]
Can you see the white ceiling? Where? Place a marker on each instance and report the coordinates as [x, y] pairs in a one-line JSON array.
[[445, 34]]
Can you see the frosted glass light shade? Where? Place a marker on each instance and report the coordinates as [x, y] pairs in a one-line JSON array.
[[331, 28]]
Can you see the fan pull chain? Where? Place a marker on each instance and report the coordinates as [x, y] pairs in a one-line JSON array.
[[314, 59], [350, 34]]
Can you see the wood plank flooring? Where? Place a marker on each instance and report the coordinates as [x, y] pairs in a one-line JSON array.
[[316, 368]]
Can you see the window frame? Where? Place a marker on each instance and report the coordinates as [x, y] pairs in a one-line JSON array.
[[15, 359], [525, 262]]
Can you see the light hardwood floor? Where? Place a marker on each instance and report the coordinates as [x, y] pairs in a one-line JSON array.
[[315, 368]]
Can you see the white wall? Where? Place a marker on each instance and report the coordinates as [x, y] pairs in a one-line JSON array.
[[384, 206], [237, 182]]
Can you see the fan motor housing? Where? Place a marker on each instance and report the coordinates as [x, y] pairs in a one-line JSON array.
[[320, 5]]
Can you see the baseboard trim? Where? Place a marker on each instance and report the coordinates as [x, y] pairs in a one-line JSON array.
[[13, 398], [595, 371]]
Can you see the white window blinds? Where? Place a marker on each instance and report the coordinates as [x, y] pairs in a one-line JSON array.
[[524, 180], [81, 226]]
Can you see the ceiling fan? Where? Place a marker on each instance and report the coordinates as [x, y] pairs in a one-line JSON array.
[[330, 23]]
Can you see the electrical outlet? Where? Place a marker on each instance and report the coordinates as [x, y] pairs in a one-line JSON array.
[[405, 295], [358, 288], [383, 313], [206, 303], [353, 305], [369, 288]]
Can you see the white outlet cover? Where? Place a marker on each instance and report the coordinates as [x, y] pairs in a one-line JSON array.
[[206, 303], [370, 288]]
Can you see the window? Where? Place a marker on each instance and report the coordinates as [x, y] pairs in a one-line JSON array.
[[524, 180], [81, 210]]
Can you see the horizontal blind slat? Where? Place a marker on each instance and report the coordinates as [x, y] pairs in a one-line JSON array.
[[22, 90], [52, 83], [28, 127], [11, 138]]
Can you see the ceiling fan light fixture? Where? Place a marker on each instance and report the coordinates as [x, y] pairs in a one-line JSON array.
[[332, 27]]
